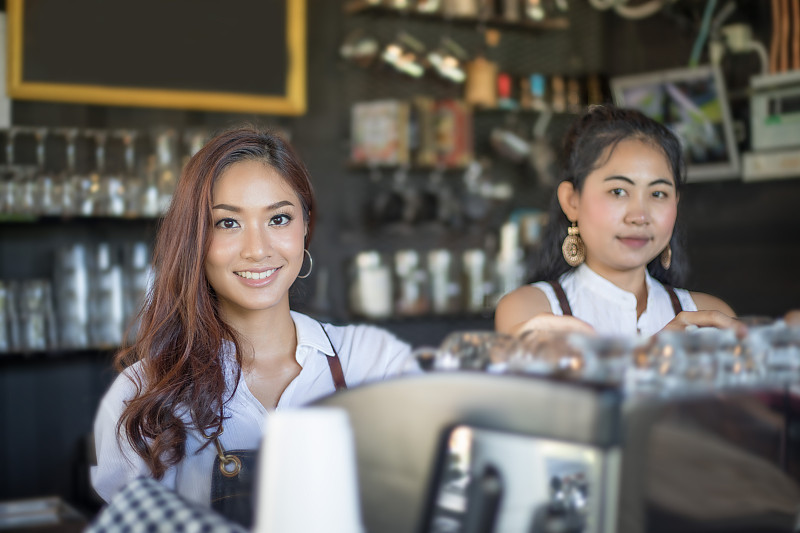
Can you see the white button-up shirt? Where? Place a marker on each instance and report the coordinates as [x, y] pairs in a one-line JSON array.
[[611, 310], [366, 354]]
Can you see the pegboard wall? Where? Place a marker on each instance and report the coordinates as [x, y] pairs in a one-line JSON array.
[[521, 50], [569, 48]]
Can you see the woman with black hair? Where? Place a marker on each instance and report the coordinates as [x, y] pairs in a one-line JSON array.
[[611, 253]]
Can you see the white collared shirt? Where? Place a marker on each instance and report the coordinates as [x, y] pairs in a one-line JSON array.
[[611, 310], [366, 354]]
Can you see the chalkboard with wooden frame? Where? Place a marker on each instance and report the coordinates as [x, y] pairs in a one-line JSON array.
[[239, 55]]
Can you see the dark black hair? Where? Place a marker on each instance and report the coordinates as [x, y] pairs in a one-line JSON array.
[[587, 140]]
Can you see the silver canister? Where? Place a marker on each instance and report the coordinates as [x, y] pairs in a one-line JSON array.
[[37, 318], [72, 296], [138, 281], [6, 316], [106, 310]]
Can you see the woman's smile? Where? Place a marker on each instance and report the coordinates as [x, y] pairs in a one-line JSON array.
[[255, 278], [635, 242]]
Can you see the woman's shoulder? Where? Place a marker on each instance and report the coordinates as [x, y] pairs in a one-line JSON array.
[[125, 386], [364, 334], [520, 305], [527, 296], [369, 352], [708, 302], [348, 337]]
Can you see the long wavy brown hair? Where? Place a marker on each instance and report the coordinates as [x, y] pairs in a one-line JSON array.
[[181, 335]]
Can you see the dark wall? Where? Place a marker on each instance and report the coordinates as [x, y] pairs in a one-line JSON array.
[[743, 238]]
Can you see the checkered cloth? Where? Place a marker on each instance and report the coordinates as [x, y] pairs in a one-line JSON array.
[[146, 506]]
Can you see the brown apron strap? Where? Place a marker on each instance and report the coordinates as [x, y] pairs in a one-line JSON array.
[[562, 297], [673, 297], [335, 365], [336, 372]]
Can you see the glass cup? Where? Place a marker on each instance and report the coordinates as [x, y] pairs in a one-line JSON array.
[[605, 358], [776, 348], [698, 349], [549, 353], [738, 364], [477, 350]]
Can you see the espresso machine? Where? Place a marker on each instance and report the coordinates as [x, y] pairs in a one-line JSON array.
[[479, 452]]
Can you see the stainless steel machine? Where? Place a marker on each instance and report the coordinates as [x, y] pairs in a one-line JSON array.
[[475, 452]]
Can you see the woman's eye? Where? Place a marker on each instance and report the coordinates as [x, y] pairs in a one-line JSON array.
[[618, 192], [660, 194], [280, 220], [227, 223]]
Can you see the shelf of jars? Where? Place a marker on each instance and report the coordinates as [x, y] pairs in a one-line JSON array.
[[508, 14], [453, 280], [56, 355], [9, 219]]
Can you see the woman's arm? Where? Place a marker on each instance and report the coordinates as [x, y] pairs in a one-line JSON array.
[[792, 317], [528, 309], [706, 302], [117, 463], [711, 312]]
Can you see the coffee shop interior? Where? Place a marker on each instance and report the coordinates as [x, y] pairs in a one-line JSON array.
[[431, 130]]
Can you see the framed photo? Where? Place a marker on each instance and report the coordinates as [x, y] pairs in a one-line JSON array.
[[692, 102], [187, 54]]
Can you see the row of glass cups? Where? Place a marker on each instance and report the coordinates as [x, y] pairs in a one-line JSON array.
[[60, 181], [670, 362]]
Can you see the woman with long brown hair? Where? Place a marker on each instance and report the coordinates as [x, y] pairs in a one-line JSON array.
[[218, 347]]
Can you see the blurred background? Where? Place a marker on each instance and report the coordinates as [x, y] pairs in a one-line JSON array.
[[431, 130]]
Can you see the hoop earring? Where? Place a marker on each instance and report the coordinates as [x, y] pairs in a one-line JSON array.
[[310, 265], [666, 257], [572, 248]]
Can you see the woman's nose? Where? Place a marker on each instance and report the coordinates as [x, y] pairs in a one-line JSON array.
[[637, 213], [256, 244]]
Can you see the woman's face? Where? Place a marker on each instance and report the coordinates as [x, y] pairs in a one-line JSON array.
[[627, 208], [257, 239]]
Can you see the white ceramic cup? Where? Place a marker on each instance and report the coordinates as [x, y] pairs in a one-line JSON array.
[[307, 475]]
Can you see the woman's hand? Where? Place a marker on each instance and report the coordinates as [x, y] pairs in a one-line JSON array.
[[706, 319], [548, 322], [792, 317]]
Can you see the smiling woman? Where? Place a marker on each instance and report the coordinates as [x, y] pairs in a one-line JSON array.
[[219, 347], [257, 242], [611, 253]]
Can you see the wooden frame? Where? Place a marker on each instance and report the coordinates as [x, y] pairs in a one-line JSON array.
[[292, 102]]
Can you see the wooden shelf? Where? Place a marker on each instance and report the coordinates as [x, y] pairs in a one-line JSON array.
[[55, 355], [365, 6], [58, 219]]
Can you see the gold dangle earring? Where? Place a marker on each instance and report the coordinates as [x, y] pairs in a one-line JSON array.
[[666, 257], [573, 248]]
